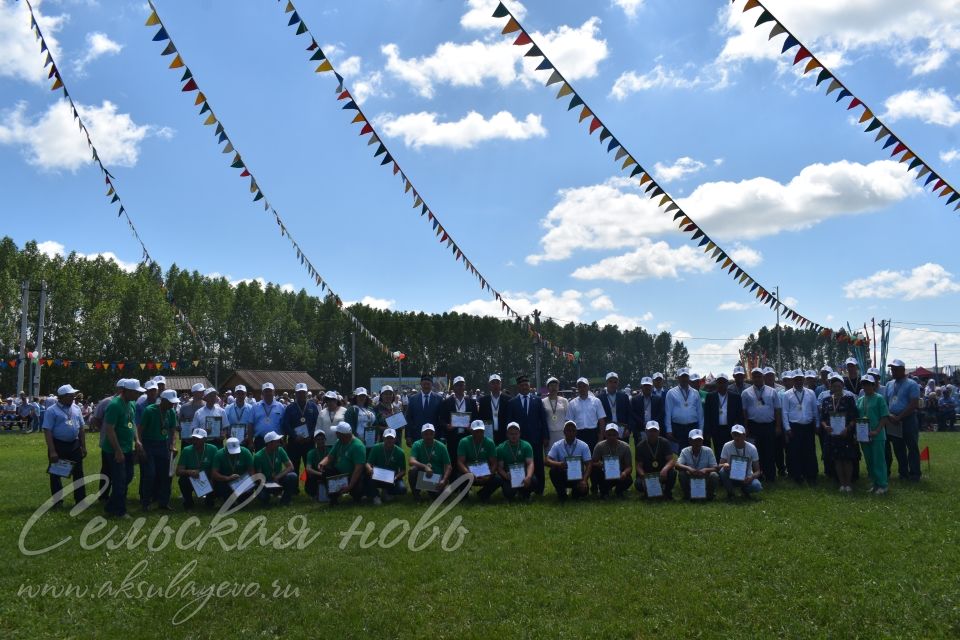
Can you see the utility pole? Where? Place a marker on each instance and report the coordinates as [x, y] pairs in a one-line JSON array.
[[353, 360], [35, 387], [779, 362], [536, 348], [22, 354], [936, 365]]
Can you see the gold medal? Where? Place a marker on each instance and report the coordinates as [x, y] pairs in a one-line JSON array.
[[303, 419], [554, 417], [655, 464]]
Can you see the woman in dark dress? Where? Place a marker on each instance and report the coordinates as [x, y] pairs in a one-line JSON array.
[[842, 442]]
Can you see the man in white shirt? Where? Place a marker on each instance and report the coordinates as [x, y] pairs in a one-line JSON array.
[[587, 412], [800, 420], [211, 417], [739, 448], [565, 452], [683, 410], [697, 462], [658, 389], [761, 410]]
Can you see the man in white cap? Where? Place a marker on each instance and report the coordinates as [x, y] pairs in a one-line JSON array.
[[587, 412], [526, 409], [739, 380], [148, 398], [96, 423], [63, 430], [240, 417], [801, 416], [422, 407], [556, 407], [852, 382], [564, 455], [823, 388], [347, 457], [330, 415], [738, 450], [645, 407], [616, 405], [229, 465], [721, 410], [195, 458], [272, 461], [655, 457], [492, 409], [211, 417], [299, 422], [658, 390], [267, 416], [386, 455], [903, 398], [430, 457], [157, 429], [697, 461], [762, 412], [122, 444], [810, 381], [611, 448], [475, 451], [187, 411], [315, 475], [683, 410], [515, 456], [460, 409]]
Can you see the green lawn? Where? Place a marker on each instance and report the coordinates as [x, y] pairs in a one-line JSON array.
[[795, 563]]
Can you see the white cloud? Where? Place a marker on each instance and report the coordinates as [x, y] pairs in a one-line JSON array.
[[915, 346], [260, 280], [659, 77], [712, 357], [479, 15], [362, 86], [20, 55], [925, 281], [368, 86], [52, 248], [735, 306], [422, 129], [949, 156], [624, 323], [567, 305], [53, 141], [617, 214], [98, 44], [683, 166], [630, 7], [602, 303], [932, 106], [790, 301], [374, 303], [578, 51], [651, 260], [349, 67], [745, 256]]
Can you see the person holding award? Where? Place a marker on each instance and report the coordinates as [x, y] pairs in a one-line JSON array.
[[569, 462], [430, 466], [740, 465]]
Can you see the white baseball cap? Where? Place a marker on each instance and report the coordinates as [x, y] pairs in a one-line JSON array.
[[612, 375], [647, 381], [428, 427], [320, 432], [272, 436], [477, 425], [300, 386], [344, 427], [159, 379], [494, 376], [458, 380], [513, 425], [266, 385], [658, 376], [653, 424], [360, 391], [583, 381], [120, 382], [170, 395], [385, 388], [896, 363], [810, 373], [835, 376], [869, 378], [239, 388], [826, 368], [331, 395], [209, 390], [695, 434], [787, 375], [201, 433], [683, 371], [852, 361], [150, 384], [738, 370], [132, 384], [722, 376], [233, 446], [694, 377], [197, 387], [66, 390], [612, 427], [390, 433], [873, 371], [767, 370], [756, 370], [738, 428], [552, 379]]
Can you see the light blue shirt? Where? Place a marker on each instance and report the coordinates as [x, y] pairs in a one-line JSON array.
[[237, 414], [64, 422], [760, 406], [682, 408], [561, 450], [900, 393], [802, 410], [266, 419]]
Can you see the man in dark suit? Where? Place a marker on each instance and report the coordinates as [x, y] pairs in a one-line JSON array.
[[616, 404], [458, 408], [422, 408], [645, 407], [526, 409], [722, 409], [493, 409]]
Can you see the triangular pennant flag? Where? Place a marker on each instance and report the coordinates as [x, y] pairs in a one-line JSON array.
[[170, 49], [751, 4], [318, 55], [824, 74], [565, 90], [153, 20], [544, 65], [512, 25], [522, 39], [500, 11], [801, 55], [554, 78], [584, 114], [789, 43], [534, 52], [766, 16], [302, 28], [834, 85], [777, 30], [324, 66], [873, 125], [177, 62], [575, 101], [161, 35], [190, 86], [294, 19]]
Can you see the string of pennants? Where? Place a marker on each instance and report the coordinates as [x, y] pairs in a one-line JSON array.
[[105, 365], [108, 177], [388, 159], [884, 133], [629, 162], [237, 162]]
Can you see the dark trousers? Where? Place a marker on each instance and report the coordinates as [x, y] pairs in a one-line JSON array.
[[538, 470], [155, 473], [258, 443], [681, 431], [666, 486], [907, 449], [510, 493], [104, 486], [780, 452], [558, 478], [488, 486], [121, 475], [289, 484], [223, 490], [713, 479], [297, 452], [356, 493], [829, 468], [412, 476], [802, 453], [764, 434], [589, 436], [186, 490], [69, 451], [452, 440], [620, 486], [373, 488], [720, 436]]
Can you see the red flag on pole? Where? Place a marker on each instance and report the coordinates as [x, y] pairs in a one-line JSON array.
[[925, 454]]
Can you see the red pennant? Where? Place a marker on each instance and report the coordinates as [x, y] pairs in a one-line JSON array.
[[899, 148], [522, 39], [366, 129], [190, 86], [938, 184], [803, 53], [245, 174], [444, 238], [345, 94], [313, 45], [854, 103], [595, 124]]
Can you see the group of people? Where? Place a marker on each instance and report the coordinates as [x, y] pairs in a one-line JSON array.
[[740, 434]]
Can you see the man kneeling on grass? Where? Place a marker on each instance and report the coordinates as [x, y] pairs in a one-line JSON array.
[[698, 469], [193, 468], [655, 460], [348, 457], [231, 466], [611, 466], [274, 463], [430, 460], [477, 455], [740, 464], [515, 465], [569, 462], [386, 457]]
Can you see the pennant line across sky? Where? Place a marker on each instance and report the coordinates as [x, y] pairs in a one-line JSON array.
[[107, 365], [654, 190], [237, 162], [107, 176], [439, 230], [884, 133]]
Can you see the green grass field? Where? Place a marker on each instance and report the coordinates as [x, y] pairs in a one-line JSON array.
[[797, 563]]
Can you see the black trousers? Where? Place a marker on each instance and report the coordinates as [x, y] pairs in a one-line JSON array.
[[802, 453], [103, 488], [620, 486], [297, 452], [765, 436], [681, 432], [452, 440], [510, 493], [186, 490], [538, 470], [780, 453], [155, 473], [589, 436], [69, 451], [720, 436], [558, 478]]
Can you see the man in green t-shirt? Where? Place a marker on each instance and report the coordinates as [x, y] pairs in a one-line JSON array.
[[348, 457], [387, 456], [515, 465], [157, 428], [477, 455], [121, 442], [315, 477], [195, 465], [431, 458], [230, 464], [274, 463]]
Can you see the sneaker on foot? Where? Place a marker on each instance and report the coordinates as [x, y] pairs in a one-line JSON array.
[[880, 491]]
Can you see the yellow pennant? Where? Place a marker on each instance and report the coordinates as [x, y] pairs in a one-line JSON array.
[[200, 99], [909, 155], [866, 116], [154, 19], [57, 84], [177, 62], [512, 25], [565, 90], [211, 119], [324, 66], [359, 118]]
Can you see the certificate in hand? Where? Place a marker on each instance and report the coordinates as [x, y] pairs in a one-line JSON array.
[[517, 475], [698, 488], [242, 484], [838, 423], [611, 467], [336, 484], [302, 431], [369, 437], [863, 431], [574, 468], [62, 468], [186, 428], [201, 485], [383, 475], [425, 483], [459, 420], [239, 432], [173, 464], [213, 425], [488, 429], [480, 469], [738, 468], [651, 482], [396, 421]]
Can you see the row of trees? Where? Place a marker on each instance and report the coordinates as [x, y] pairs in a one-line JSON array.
[[798, 348], [98, 312]]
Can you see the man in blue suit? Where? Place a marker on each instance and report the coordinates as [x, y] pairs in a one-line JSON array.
[[645, 407], [422, 408], [616, 404], [526, 409]]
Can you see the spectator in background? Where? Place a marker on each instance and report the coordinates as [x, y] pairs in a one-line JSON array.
[[947, 410]]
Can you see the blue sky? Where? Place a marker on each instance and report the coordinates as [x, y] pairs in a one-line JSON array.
[[777, 172]]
